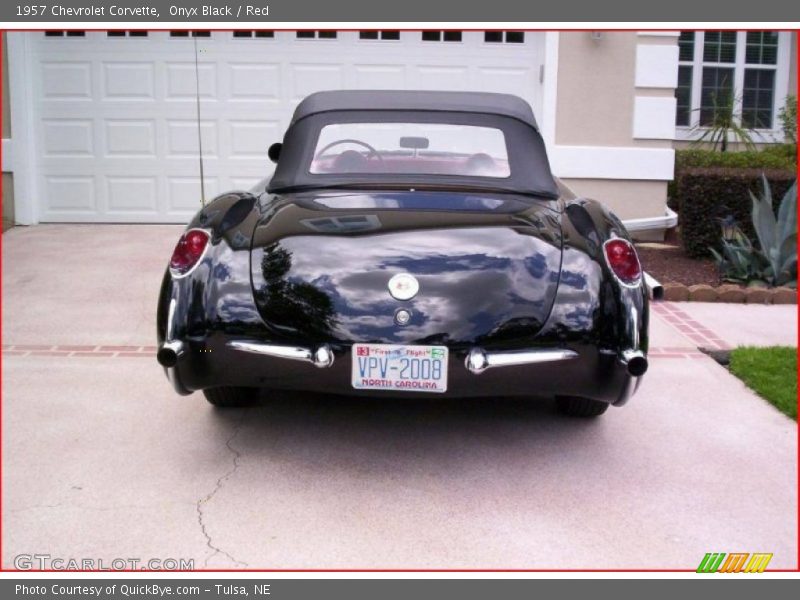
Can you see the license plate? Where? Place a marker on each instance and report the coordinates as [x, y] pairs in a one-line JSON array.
[[399, 367]]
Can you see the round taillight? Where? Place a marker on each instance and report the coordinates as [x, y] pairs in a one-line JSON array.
[[622, 259], [188, 251]]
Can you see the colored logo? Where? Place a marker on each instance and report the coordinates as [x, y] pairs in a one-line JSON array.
[[437, 353], [362, 351], [736, 562]]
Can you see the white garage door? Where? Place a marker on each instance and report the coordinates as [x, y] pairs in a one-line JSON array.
[[114, 115]]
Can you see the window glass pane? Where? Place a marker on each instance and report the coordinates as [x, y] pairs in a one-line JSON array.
[[265, 33], [411, 148], [761, 48], [326, 35], [115, 34], [719, 46], [493, 36], [242, 34], [686, 46], [76, 33], [368, 35], [431, 36], [683, 93], [515, 37], [306, 34], [137, 34], [390, 35], [53, 34], [758, 97], [716, 93], [452, 36]]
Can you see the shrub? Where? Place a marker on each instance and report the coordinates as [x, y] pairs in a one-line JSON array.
[[788, 118], [777, 156], [709, 194]]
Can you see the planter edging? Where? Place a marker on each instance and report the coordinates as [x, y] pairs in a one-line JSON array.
[[678, 292]]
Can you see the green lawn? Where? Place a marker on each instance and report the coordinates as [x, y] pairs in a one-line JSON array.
[[771, 373]]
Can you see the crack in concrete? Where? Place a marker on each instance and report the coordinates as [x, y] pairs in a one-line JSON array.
[[201, 517]]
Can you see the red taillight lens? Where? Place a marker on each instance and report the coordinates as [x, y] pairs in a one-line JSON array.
[[622, 259], [188, 251]]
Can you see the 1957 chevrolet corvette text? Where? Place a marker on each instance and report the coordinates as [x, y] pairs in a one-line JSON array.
[[408, 242]]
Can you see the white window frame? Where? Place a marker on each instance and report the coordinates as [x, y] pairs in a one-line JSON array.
[[760, 136]]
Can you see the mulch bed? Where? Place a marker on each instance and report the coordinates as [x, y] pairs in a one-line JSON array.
[[669, 264]]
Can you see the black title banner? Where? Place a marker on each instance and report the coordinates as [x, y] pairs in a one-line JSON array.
[[442, 11]]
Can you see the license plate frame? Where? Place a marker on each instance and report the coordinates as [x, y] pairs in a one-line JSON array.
[[399, 368]]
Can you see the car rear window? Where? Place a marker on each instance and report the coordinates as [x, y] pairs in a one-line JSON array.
[[411, 148]]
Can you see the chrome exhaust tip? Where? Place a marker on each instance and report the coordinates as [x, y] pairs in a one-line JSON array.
[[635, 361], [654, 289], [168, 353]]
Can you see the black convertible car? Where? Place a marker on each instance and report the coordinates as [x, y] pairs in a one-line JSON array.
[[407, 243]]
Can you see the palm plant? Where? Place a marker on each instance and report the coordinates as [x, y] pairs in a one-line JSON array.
[[725, 125]]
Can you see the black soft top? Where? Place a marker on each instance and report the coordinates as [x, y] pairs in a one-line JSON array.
[[530, 170], [364, 100]]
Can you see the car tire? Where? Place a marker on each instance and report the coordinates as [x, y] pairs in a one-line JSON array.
[[580, 407], [231, 397]]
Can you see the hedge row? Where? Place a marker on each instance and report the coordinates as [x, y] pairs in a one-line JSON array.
[[708, 194], [778, 156]]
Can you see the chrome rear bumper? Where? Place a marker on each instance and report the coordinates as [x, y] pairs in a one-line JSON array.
[[478, 359]]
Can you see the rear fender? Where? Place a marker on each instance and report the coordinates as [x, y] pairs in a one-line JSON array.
[[593, 303], [189, 306]]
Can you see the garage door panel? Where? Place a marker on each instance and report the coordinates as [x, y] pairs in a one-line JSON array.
[[182, 139], [67, 138], [310, 78], [126, 194], [129, 81], [255, 81], [184, 193], [66, 80], [126, 138], [182, 81], [441, 78], [251, 139], [380, 77], [115, 118], [73, 194]]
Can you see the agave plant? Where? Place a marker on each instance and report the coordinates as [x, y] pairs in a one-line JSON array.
[[777, 237], [774, 262]]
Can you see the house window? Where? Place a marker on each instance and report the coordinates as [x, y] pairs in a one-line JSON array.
[[441, 36], [379, 35], [70, 33], [182, 33], [119, 33], [261, 33], [318, 35], [509, 37], [720, 68]]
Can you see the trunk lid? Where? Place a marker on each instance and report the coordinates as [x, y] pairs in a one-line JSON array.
[[487, 267]]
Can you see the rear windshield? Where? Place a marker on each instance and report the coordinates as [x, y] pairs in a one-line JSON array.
[[411, 148]]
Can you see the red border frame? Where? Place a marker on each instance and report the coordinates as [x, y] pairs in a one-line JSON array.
[[199, 27]]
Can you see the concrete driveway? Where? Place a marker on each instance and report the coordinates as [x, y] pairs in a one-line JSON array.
[[102, 460]]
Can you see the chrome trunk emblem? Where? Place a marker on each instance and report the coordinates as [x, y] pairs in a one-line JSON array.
[[403, 286]]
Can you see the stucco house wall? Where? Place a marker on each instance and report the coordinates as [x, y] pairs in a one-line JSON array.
[[600, 88]]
